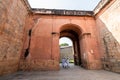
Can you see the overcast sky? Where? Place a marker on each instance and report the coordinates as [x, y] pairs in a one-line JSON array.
[[64, 4], [65, 40]]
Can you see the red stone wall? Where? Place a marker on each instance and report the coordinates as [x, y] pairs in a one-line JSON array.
[[98, 39], [13, 14], [44, 49], [108, 25]]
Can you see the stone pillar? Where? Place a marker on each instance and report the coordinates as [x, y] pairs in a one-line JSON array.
[[75, 53], [55, 53], [89, 52]]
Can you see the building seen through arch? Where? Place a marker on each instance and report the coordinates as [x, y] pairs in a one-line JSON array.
[[66, 51]]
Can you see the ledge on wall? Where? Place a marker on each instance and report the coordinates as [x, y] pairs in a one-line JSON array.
[[62, 12]]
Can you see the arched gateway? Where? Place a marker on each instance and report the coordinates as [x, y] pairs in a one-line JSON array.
[[29, 38], [73, 32], [47, 28]]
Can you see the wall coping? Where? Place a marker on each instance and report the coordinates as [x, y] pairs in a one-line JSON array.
[[27, 5], [63, 12], [100, 6]]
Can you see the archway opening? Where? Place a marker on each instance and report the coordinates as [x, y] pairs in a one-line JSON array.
[[66, 49], [73, 32]]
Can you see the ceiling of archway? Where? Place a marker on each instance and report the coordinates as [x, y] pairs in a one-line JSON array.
[[69, 33], [88, 5], [69, 27]]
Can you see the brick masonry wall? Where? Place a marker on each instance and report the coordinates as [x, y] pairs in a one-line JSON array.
[[108, 23], [12, 21]]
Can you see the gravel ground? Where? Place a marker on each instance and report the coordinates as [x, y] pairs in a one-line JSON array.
[[72, 73]]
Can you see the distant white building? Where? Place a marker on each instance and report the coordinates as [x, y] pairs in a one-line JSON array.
[[66, 52]]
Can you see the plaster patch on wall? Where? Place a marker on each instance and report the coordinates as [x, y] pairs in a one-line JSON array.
[[84, 55]]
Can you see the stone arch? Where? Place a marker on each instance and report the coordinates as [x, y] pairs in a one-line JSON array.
[[73, 32], [71, 26]]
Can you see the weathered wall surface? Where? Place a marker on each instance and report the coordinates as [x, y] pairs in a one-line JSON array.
[[44, 48], [13, 14], [108, 23], [15, 25]]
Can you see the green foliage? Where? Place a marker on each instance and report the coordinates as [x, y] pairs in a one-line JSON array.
[[64, 44], [71, 61]]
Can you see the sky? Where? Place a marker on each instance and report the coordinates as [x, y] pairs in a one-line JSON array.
[[65, 40], [87, 5], [65, 4]]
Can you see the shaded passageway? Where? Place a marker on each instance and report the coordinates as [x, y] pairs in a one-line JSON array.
[[66, 51], [72, 73], [73, 32]]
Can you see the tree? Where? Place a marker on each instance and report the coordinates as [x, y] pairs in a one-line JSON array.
[[64, 44]]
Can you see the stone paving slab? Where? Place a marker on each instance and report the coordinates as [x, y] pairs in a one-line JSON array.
[[72, 73]]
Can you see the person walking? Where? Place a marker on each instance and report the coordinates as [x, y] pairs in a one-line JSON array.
[[67, 61], [63, 62]]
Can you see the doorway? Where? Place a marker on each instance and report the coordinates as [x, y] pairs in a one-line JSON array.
[[66, 49], [71, 32]]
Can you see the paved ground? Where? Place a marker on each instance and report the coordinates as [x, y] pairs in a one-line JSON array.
[[73, 73]]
